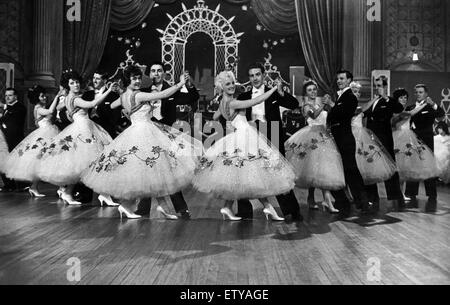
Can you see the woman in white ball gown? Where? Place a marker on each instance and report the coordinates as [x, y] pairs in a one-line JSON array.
[[148, 160], [373, 160], [22, 163], [3, 151], [72, 151], [415, 160], [313, 152], [442, 151], [244, 164]]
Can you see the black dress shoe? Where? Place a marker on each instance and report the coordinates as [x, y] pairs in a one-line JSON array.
[[142, 213], [413, 203], [244, 216], [375, 206], [22, 189], [185, 215], [431, 206], [298, 217], [401, 205]]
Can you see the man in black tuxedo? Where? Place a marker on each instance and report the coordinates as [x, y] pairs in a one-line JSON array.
[[422, 125], [13, 124], [340, 120], [166, 113], [379, 115], [103, 115], [266, 116]]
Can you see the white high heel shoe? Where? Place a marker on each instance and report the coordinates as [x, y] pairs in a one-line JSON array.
[[69, 200], [329, 207], [165, 214], [270, 212], [107, 200], [228, 214], [60, 192], [129, 215], [35, 194]]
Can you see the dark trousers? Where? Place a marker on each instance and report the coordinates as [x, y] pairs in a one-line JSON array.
[[178, 201], [393, 187], [10, 184], [393, 190], [346, 144], [288, 205], [412, 188]]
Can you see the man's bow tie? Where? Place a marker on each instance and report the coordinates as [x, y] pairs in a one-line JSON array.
[[340, 92], [154, 88]]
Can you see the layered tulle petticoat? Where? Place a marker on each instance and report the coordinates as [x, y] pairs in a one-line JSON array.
[[316, 159], [442, 155], [244, 165], [72, 151], [374, 161], [146, 160], [22, 163], [3, 151], [415, 160]]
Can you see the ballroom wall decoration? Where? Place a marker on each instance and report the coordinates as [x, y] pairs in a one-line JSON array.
[[419, 26], [144, 42]]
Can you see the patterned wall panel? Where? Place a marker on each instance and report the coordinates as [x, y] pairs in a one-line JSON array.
[[10, 28], [415, 25]]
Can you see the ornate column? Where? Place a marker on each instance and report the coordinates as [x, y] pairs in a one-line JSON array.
[[362, 48], [44, 25]]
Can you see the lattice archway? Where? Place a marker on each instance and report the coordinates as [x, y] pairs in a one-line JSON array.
[[199, 19]]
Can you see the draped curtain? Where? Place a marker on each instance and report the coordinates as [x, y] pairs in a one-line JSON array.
[[279, 17], [128, 14], [320, 25], [84, 41], [318, 22]]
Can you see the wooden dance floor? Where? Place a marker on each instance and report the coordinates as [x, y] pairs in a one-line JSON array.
[[39, 236]]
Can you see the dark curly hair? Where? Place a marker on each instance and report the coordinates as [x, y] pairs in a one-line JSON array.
[[129, 72], [34, 93], [67, 76], [443, 126], [399, 93]]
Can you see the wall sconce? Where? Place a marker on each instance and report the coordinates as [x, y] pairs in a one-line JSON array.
[[414, 41]]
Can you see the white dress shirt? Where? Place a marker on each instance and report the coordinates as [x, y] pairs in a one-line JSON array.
[[259, 111], [157, 104]]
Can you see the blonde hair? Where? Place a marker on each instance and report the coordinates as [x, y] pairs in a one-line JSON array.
[[355, 85], [222, 78]]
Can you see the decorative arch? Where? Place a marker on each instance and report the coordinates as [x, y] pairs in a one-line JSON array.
[[199, 19]]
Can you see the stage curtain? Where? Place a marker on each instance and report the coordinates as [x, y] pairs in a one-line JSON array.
[[277, 16], [128, 14], [84, 41], [242, 2], [320, 25]]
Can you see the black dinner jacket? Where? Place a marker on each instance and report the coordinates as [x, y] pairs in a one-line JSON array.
[[340, 116], [272, 104], [272, 109], [422, 123], [107, 118], [379, 119], [13, 124], [169, 105]]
